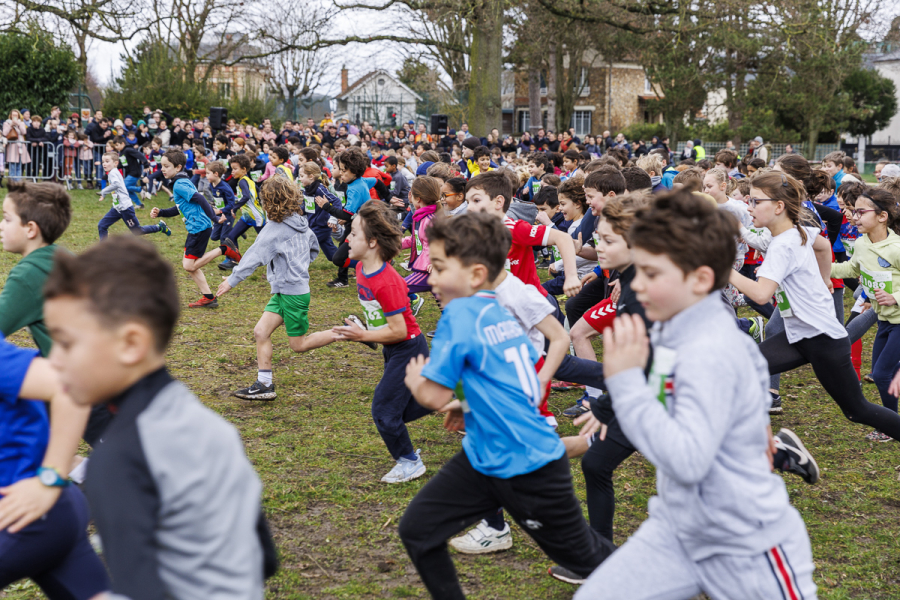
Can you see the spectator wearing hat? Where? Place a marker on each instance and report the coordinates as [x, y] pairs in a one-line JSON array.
[[758, 150], [890, 170], [128, 125], [448, 140]]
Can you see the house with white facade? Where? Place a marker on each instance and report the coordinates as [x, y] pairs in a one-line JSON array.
[[888, 66], [377, 97]]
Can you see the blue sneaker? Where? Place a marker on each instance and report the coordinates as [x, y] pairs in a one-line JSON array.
[[165, 228], [416, 304]]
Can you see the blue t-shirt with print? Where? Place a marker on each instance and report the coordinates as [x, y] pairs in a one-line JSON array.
[[479, 343], [24, 426]]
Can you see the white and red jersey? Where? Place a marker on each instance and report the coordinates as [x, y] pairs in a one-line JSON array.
[[520, 259]]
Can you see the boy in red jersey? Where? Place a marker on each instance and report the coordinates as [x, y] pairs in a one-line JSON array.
[[491, 193]]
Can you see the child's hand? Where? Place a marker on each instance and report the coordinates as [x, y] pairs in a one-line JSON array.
[[454, 420], [218, 212], [616, 292], [222, 218], [321, 200], [428, 268], [224, 287], [154, 212], [572, 285], [588, 278], [590, 425], [894, 388], [578, 244], [349, 333], [625, 345], [414, 377], [24, 502], [543, 219], [884, 299]]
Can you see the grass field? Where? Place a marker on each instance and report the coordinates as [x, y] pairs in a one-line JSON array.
[[320, 458]]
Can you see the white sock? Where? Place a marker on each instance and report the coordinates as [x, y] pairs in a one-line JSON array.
[[592, 392], [77, 474], [265, 376]]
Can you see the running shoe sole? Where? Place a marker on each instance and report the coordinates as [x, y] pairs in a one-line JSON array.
[[561, 577], [799, 444]]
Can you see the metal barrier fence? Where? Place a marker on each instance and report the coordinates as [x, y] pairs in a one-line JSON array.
[[42, 161], [775, 151]]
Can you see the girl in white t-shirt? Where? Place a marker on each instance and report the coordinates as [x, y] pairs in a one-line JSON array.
[[801, 288]]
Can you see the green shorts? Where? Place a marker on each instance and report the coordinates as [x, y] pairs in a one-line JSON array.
[[294, 310]]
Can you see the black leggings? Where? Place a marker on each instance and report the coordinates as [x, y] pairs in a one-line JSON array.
[[598, 464], [590, 295], [830, 360]]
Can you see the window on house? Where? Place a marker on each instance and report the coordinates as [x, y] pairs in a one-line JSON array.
[[225, 89], [581, 121], [582, 85], [648, 87], [381, 81], [523, 120]]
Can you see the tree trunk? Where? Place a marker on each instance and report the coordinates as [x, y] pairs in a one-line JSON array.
[[486, 63], [551, 88], [534, 101], [812, 139]]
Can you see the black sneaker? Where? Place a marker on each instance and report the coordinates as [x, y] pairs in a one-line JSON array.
[[544, 264], [257, 391], [431, 333], [581, 407], [564, 574], [358, 321], [868, 378], [775, 408], [798, 460], [337, 282], [227, 264]]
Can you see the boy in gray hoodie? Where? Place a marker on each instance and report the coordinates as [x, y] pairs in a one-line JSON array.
[[722, 522], [286, 245]]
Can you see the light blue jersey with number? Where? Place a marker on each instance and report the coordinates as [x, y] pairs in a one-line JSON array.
[[481, 344]]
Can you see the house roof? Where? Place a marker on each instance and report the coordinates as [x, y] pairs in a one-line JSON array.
[[887, 57], [371, 75]]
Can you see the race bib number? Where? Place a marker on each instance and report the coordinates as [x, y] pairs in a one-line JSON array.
[[418, 242], [535, 187], [115, 199], [255, 176], [374, 314], [124, 161], [849, 243], [876, 280], [393, 185], [784, 304], [555, 251], [660, 379], [508, 266], [220, 202], [309, 203]]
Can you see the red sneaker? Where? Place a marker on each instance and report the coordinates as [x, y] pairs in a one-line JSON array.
[[231, 251], [204, 302]]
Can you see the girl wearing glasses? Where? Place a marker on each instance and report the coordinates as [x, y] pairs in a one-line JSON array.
[[876, 260], [797, 271]]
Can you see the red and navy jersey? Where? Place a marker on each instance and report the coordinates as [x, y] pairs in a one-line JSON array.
[[383, 294], [520, 259]]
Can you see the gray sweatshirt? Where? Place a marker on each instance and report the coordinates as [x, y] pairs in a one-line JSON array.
[[704, 429], [116, 186], [287, 249]]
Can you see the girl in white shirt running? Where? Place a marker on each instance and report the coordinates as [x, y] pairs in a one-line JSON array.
[[791, 273]]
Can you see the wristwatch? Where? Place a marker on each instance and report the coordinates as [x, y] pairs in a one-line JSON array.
[[51, 477]]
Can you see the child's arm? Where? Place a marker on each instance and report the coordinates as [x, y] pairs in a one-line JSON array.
[[759, 291], [14, 312], [757, 241], [683, 445], [559, 346], [394, 332], [29, 499], [246, 196], [230, 199], [844, 270], [822, 248], [426, 392], [406, 243], [257, 255], [200, 199], [563, 242], [164, 212]]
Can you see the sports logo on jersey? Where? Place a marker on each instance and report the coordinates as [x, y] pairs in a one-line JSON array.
[[883, 263], [534, 230]]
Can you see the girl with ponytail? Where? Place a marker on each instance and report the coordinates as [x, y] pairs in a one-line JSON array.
[[797, 272]]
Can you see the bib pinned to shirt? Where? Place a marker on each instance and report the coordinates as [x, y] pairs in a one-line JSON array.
[[661, 379], [784, 304]]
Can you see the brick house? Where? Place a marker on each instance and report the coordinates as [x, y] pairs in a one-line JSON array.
[[611, 96]]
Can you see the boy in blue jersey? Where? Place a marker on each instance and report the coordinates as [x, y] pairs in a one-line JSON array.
[[198, 219], [223, 201], [511, 457], [43, 518]]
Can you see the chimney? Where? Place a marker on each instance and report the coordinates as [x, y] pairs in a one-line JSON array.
[[345, 83]]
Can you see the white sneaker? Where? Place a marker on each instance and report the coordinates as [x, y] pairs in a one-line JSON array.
[[483, 539], [406, 470]]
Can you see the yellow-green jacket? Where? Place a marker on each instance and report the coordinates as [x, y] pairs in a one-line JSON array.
[[878, 266]]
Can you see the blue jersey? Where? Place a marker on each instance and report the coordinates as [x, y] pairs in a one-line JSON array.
[[195, 218], [24, 427], [358, 193], [481, 344], [223, 196]]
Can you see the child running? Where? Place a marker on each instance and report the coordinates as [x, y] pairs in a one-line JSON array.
[[286, 246], [374, 241], [314, 182], [425, 194], [875, 258], [175, 501], [722, 522], [791, 273], [122, 207], [511, 457], [198, 219]]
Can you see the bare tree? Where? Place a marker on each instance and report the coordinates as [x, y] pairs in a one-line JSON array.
[[295, 69]]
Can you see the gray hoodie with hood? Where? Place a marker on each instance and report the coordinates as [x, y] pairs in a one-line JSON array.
[[287, 249], [700, 418]]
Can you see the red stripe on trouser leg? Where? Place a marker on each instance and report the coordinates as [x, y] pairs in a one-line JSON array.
[[545, 410], [856, 357], [601, 315], [788, 585]]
